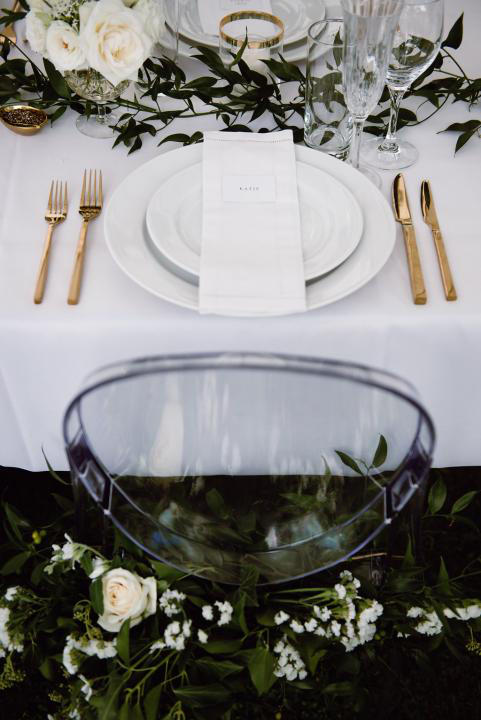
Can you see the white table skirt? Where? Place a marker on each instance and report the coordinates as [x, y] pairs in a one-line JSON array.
[[47, 350]]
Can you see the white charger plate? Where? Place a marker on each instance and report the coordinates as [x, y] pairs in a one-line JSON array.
[[296, 15], [128, 241], [331, 220]]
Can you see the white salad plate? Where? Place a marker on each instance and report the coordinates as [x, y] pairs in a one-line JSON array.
[[130, 245], [297, 16], [331, 220]]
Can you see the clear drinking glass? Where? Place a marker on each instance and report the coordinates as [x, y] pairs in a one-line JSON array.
[[93, 86], [369, 27], [327, 123], [169, 39], [416, 44], [264, 33], [214, 463]]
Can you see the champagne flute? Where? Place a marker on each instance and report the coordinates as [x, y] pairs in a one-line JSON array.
[[369, 27], [416, 44]]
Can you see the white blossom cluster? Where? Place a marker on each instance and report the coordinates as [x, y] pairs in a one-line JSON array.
[[224, 609], [102, 649], [70, 551], [431, 624], [341, 621], [175, 636], [289, 663], [8, 642], [170, 602]]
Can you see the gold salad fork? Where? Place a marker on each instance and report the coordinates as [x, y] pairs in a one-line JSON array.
[[90, 207], [56, 212]]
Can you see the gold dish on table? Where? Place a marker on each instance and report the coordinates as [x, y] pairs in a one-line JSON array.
[[23, 119]]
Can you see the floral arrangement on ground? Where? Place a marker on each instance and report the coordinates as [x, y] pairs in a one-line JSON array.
[[236, 95], [91, 634]]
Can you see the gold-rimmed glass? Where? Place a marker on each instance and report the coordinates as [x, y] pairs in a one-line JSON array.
[[263, 32]]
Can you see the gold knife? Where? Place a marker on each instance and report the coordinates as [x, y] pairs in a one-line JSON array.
[[403, 216], [431, 219]]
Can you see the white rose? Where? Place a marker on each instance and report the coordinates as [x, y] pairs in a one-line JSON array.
[[36, 32], [153, 18], [63, 46], [39, 6], [126, 595], [115, 41]]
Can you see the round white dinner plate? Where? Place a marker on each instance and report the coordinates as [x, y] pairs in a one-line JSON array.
[[331, 220], [128, 240], [296, 15]]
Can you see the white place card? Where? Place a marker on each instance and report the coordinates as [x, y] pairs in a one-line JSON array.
[[249, 188]]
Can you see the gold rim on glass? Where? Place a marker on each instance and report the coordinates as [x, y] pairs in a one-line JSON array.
[[252, 15]]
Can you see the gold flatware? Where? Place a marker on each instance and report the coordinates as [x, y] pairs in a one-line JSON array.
[[56, 213], [431, 219], [23, 119], [9, 31], [403, 216], [90, 207]]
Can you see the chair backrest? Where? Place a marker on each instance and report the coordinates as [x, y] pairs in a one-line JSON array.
[[214, 463]]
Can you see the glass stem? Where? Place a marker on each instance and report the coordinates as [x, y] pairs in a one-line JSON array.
[[356, 142], [389, 144], [101, 114]]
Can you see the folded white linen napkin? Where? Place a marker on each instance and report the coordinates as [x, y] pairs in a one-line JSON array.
[[251, 254], [211, 12]]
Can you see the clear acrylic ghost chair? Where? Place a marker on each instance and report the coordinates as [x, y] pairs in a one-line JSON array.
[[214, 463]]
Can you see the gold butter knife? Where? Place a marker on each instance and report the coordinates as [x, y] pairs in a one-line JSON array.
[[431, 219], [403, 216]]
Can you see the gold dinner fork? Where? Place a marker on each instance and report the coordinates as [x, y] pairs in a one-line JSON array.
[[90, 207], [56, 212]]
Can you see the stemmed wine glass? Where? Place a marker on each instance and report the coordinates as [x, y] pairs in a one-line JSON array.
[[369, 27], [416, 44]]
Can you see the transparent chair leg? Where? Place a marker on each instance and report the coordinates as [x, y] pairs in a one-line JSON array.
[[417, 505]]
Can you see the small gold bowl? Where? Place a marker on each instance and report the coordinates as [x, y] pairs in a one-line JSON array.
[[23, 119]]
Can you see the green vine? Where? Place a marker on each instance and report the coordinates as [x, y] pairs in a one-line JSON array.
[[234, 95]]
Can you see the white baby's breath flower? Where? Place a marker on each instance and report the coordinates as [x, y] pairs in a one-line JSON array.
[[322, 613], [36, 32], [86, 688], [335, 628], [281, 617], [11, 592], [431, 625], [340, 590], [99, 567], [64, 47], [126, 596], [115, 40], [170, 602], [207, 612], [311, 625], [157, 645], [226, 610], [345, 575], [296, 626], [415, 612], [69, 659], [202, 636]]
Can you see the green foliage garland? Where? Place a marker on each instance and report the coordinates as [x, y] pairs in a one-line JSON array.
[[236, 95]]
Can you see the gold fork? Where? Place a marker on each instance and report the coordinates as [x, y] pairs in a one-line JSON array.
[[56, 212], [90, 207]]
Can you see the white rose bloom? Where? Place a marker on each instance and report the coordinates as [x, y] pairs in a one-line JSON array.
[[116, 43], [65, 50], [153, 18], [39, 6], [126, 595], [36, 32]]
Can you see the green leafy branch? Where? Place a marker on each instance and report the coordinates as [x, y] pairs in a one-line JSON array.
[[235, 95]]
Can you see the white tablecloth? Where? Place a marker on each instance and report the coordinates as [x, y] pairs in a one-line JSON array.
[[47, 350]]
